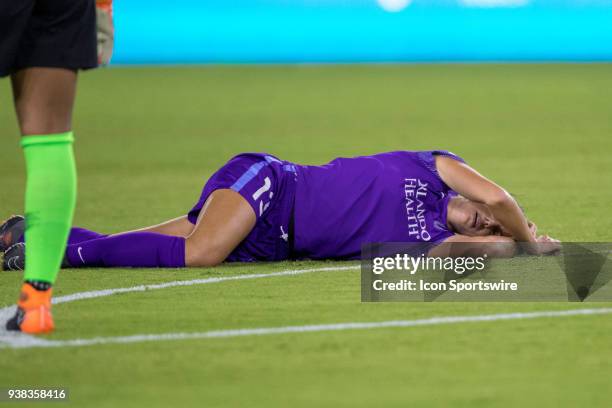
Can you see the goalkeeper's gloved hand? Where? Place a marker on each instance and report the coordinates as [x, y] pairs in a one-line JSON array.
[[105, 30]]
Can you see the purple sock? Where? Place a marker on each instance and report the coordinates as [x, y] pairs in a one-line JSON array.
[[132, 249], [78, 235]]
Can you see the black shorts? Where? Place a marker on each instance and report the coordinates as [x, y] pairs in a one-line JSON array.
[[47, 33]]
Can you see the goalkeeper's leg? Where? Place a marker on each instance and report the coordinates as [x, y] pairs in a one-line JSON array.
[[44, 98]]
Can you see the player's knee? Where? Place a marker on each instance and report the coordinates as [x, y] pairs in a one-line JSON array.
[[44, 99], [203, 254], [35, 124]]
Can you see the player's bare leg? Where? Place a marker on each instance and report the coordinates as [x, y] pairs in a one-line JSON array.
[[225, 220], [44, 98], [176, 227]]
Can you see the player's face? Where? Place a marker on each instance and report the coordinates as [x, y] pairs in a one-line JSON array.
[[474, 219]]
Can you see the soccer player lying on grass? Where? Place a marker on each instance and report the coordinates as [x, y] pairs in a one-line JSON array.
[[259, 208]]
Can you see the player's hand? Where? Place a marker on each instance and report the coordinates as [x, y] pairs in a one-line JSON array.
[[105, 30], [544, 245], [533, 229]]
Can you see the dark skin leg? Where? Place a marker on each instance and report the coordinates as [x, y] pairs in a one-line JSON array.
[[44, 98]]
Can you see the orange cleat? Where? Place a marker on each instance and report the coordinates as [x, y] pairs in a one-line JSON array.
[[33, 311]]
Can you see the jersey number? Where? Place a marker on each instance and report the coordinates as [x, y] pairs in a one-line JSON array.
[[267, 185]]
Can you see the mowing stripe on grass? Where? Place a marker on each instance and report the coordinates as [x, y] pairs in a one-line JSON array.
[[11, 338], [20, 340], [139, 338]]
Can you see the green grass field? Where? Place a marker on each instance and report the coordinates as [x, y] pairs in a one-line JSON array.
[[147, 139]]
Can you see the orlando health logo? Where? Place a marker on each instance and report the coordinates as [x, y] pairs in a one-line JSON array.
[[415, 193]]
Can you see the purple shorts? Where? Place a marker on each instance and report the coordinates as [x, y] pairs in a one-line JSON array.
[[268, 185]]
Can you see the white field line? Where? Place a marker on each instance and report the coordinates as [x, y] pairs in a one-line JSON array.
[[20, 340], [139, 338], [142, 288], [16, 339]]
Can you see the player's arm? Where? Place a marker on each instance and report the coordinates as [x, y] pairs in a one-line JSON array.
[[474, 186], [493, 246]]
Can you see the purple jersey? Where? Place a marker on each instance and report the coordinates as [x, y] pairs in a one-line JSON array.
[[387, 197]]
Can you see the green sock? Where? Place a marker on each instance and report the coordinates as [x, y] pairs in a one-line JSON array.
[[50, 199]]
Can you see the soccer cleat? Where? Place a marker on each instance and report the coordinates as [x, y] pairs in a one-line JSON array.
[[14, 258], [11, 231], [33, 314]]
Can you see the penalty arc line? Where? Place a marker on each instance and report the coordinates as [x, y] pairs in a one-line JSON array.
[[165, 285], [315, 328], [15, 339]]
